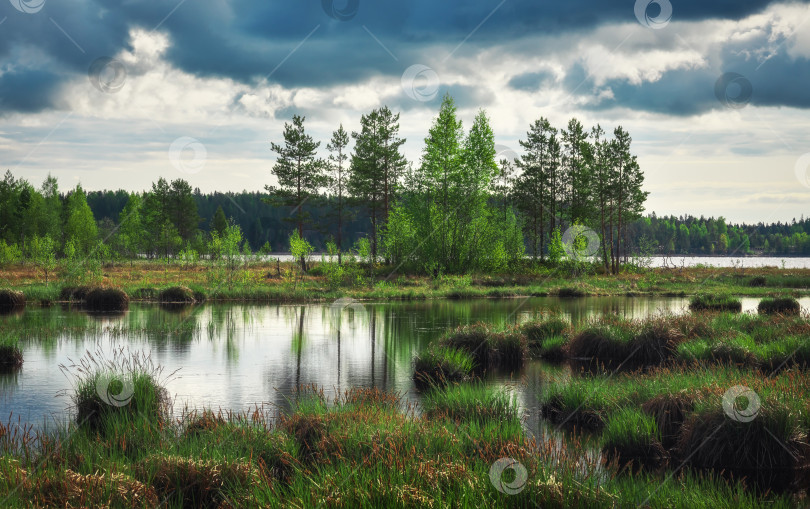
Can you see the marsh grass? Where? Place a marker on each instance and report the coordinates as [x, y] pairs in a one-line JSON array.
[[176, 295], [767, 451], [366, 451], [11, 300], [117, 391], [471, 402], [713, 302], [779, 305], [105, 299], [489, 346], [632, 439], [439, 365], [11, 356]]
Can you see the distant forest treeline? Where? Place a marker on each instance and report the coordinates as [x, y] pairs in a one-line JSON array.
[[459, 209], [262, 223]]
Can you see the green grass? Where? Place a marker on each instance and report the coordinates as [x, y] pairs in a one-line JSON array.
[[360, 449], [439, 365], [471, 402], [780, 305], [118, 392], [712, 302], [632, 439], [490, 346]]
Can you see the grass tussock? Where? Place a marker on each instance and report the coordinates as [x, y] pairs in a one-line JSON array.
[[106, 300], [632, 439], [711, 302], [489, 346], [11, 356], [779, 305], [176, 295], [471, 402], [74, 293], [767, 451], [194, 482], [125, 389], [440, 365], [615, 343], [11, 300]]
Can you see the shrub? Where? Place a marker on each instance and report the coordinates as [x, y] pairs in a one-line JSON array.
[[106, 300], [779, 305]]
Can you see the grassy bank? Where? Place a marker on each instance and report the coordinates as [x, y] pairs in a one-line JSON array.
[[145, 280], [361, 448]]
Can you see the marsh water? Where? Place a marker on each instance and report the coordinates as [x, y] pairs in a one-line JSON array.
[[243, 357]]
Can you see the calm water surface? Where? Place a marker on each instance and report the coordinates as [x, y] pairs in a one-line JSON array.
[[239, 357]]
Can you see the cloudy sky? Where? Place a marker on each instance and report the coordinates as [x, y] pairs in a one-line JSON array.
[[116, 93]]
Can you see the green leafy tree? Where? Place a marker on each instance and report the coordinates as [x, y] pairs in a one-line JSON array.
[[80, 225]]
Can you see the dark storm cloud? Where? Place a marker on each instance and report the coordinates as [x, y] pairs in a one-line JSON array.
[[249, 40], [781, 81], [531, 81]]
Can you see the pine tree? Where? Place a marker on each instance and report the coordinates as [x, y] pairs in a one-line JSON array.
[[299, 172], [339, 179], [219, 222], [376, 168]]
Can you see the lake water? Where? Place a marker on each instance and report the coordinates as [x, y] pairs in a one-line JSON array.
[[731, 261], [677, 261], [240, 357]]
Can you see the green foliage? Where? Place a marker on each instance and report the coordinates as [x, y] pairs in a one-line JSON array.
[[9, 254], [43, 254], [80, 225]]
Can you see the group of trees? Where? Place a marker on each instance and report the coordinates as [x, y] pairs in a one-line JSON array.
[[575, 177], [701, 236], [458, 209]]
